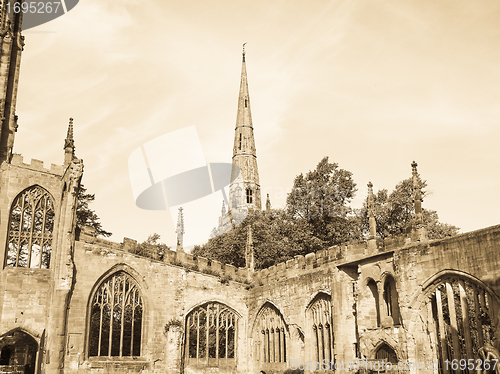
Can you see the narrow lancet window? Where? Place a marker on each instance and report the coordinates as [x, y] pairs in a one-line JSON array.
[[249, 196], [116, 318], [240, 140], [31, 223], [391, 300]]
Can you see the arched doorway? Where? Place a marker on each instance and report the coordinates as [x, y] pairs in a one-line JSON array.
[[18, 352]]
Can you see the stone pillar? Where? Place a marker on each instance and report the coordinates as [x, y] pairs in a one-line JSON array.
[[174, 360], [63, 273], [372, 240]]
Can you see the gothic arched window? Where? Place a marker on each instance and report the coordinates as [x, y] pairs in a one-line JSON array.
[[386, 354], [116, 313], [320, 318], [31, 222], [271, 337], [211, 335], [461, 315]]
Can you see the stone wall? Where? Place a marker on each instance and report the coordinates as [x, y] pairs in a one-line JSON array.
[[52, 305], [169, 293]]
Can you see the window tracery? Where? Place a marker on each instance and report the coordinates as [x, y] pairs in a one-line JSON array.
[[31, 224], [211, 335], [321, 327], [461, 317], [116, 318], [272, 342]]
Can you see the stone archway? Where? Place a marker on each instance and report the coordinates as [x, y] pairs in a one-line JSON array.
[[18, 351]]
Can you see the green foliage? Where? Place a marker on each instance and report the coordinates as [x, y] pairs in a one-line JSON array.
[[395, 213], [317, 216], [151, 248], [86, 216], [277, 237], [172, 323], [322, 199]]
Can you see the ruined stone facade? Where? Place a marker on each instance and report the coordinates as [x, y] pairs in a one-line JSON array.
[[74, 303]]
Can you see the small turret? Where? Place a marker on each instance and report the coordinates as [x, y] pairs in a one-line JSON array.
[[420, 228]]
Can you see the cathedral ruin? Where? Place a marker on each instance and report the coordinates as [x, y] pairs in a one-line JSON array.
[[71, 302]]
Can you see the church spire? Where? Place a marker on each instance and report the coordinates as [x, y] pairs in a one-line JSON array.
[[69, 144], [244, 191]]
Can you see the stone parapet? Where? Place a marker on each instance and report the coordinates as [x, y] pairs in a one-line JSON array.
[[18, 160]]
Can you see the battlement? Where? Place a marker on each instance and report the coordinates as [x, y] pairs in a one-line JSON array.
[[180, 259], [323, 259], [18, 160], [334, 256]]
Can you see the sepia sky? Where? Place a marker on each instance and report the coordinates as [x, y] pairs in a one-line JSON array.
[[371, 84]]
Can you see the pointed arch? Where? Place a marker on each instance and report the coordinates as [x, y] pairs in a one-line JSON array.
[[390, 299], [461, 315], [19, 349], [384, 351], [30, 229], [116, 311], [214, 300], [374, 302], [313, 298], [211, 330], [271, 334], [319, 317]]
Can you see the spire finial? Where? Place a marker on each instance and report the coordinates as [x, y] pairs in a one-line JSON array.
[[69, 136], [414, 168], [417, 194], [69, 144], [180, 230], [244, 51], [249, 253], [371, 212]]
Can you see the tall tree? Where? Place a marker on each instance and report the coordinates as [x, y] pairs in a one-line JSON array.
[[86, 216], [322, 198], [277, 237]]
